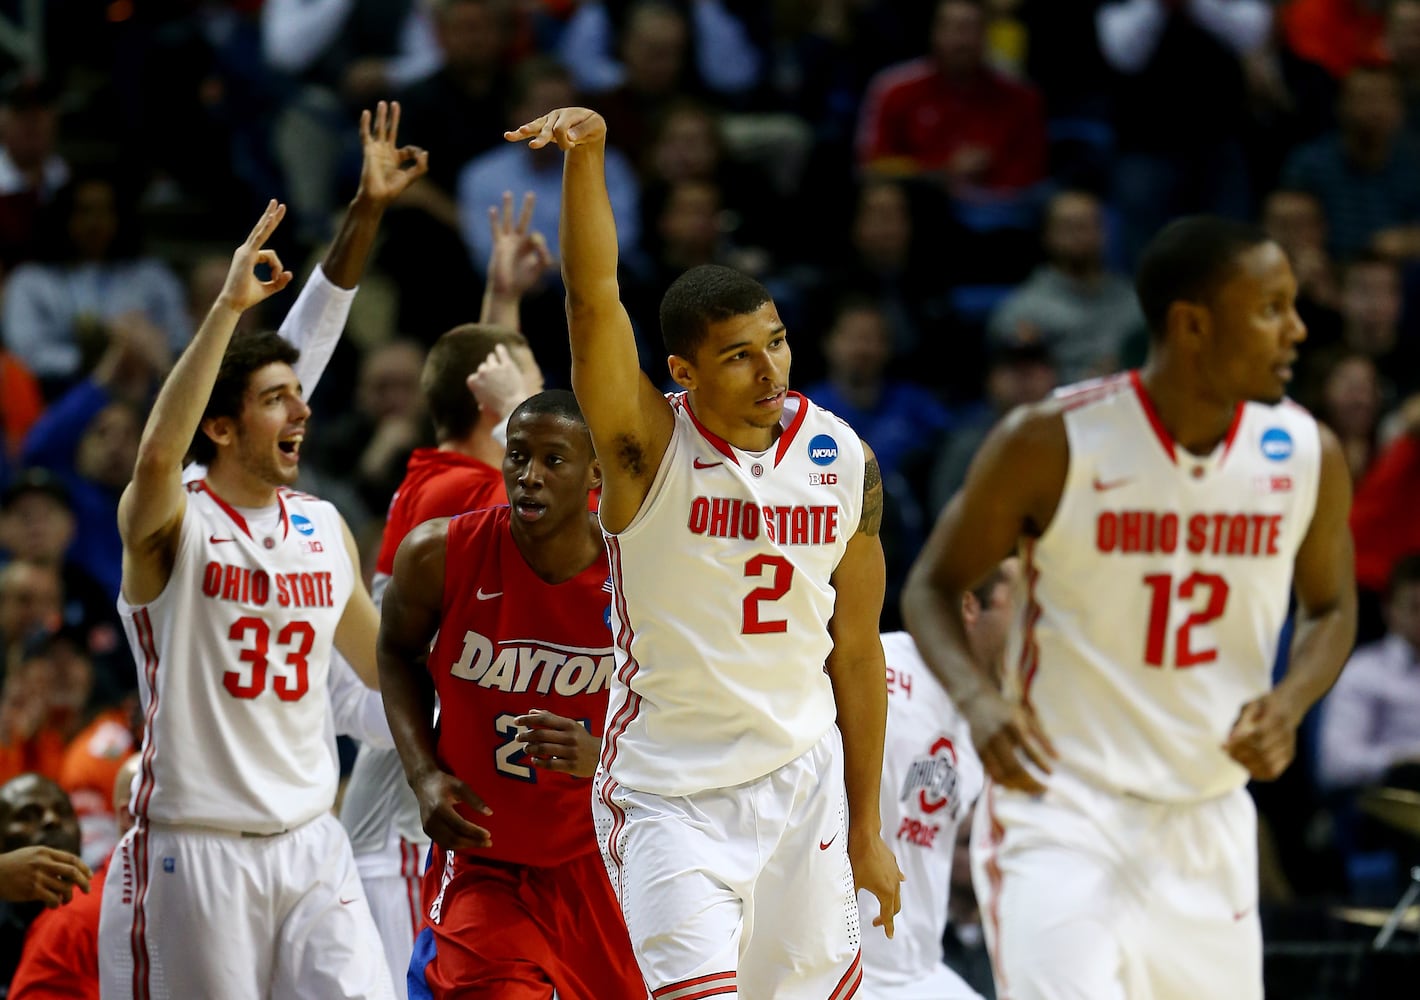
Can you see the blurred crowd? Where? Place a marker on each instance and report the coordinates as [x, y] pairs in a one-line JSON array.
[[944, 196]]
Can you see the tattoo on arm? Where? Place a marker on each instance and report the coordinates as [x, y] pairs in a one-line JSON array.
[[872, 519]]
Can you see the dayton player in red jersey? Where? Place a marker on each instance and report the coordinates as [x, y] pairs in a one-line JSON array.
[[1164, 517], [517, 904]]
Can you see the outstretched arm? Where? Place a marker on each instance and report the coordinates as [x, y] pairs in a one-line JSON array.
[[409, 618], [318, 316], [630, 421], [152, 506], [1012, 490], [858, 672], [1264, 737]]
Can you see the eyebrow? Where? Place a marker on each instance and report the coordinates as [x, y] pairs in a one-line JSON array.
[[740, 345], [280, 387]]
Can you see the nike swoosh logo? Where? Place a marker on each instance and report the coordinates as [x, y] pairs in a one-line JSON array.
[[705, 465], [487, 597], [347, 902], [824, 845], [217, 541], [1239, 914], [1101, 485]]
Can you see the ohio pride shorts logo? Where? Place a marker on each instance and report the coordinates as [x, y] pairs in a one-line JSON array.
[[823, 450], [1276, 444]]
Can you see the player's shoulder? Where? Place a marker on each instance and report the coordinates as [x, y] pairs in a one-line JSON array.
[[1096, 393]]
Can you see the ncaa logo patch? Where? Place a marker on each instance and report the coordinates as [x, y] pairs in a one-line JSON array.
[[302, 524], [823, 450], [1276, 444]]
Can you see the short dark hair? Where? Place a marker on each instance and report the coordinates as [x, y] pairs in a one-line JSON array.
[[246, 354], [454, 357], [550, 403], [1405, 574], [701, 296], [1187, 260], [987, 587]]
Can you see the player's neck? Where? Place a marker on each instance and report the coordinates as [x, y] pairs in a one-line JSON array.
[[744, 436], [237, 488], [1194, 417], [558, 557], [477, 443]]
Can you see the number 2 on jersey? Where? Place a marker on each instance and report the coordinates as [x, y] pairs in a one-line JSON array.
[[299, 637], [777, 588], [1192, 585]]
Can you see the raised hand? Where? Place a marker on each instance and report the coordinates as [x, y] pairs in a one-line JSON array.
[[41, 875], [520, 256], [1005, 732], [499, 384], [243, 289], [439, 795], [567, 127], [387, 168], [555, 743]]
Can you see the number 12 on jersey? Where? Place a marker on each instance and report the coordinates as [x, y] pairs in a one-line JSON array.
[[1211, 588]]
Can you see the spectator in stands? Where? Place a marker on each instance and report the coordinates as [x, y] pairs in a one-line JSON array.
[[1296, 220], [539, 85], [1085, 312], [1179, 104], [39, 830], [655, 50], [370, 443], [1383, 521], [59, 313], [31, 602], [45, 702], [1402, 41], [726, 60], [1371, 301], [1364, 172], [31, 169], [1350, 404], [1020, 371], [950, 116], [1371, 719], [89, 769]]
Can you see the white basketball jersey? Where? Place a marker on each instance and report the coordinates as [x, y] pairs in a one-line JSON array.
[[931, 776], [722, 602], [1155, 598], [234, 657]]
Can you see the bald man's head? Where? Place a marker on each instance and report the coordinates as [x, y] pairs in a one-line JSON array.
[[34, 812]]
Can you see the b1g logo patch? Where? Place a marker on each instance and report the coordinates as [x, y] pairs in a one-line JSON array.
[[302, 524], [823, 479], [1276, 444], [823, 450]]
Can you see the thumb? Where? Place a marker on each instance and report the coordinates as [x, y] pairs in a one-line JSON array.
[[1247, 718], [466, 795]]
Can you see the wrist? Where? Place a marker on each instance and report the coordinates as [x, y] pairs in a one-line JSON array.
[[366, 206]]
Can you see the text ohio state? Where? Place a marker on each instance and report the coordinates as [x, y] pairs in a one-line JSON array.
[[786, 524], [522, 667], [1220, 534], [258, 587]]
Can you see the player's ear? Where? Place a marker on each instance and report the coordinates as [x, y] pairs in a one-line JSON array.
[[221, 430], [594, 476], [1189, 322], [682, 371]]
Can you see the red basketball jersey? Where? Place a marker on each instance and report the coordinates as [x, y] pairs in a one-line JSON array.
[[509, 643], [436, 483]]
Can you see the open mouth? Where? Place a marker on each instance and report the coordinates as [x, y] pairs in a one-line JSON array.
[[529, 510], [773, 399], [291, 446]]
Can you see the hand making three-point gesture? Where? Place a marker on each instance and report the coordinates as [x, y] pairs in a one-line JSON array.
[[388, 169]]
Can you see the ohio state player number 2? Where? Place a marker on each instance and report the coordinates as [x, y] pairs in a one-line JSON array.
[[1208, 588], [783, 576]]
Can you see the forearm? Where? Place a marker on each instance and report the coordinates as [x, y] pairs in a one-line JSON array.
[[500, 309], [935, 620], [860, 693], [345, 260], [1319, 650], [183, 398], [409, 708], [587, 228]]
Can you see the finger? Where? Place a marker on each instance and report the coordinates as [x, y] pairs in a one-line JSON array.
[[381, 112], [420, 165], [1036, 754], [257, 236], [1038, 732], [465, 794], [365, 137], [540, 718], [505, 219], [526, 130], [525, 216], [463, 837], [394, 122], [544, 255], [560, 765]]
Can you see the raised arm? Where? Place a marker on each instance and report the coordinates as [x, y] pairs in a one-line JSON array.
[[630, 421], [152, 506], [318, 316], [517, 263], [410, 613], [1264, 737], [858, 672], [1011, 491]]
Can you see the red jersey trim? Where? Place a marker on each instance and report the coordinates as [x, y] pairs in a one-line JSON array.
[[848, 986], [1160, 431], [1030, 648], [1232, 434], [237, 518], [716, 442], [712, 985], [787, 438]]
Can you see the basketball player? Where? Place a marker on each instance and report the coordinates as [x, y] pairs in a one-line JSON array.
[[462, 473], [234, 880], [517, 904], [931, 777], [1161, 515], [742, 525]]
